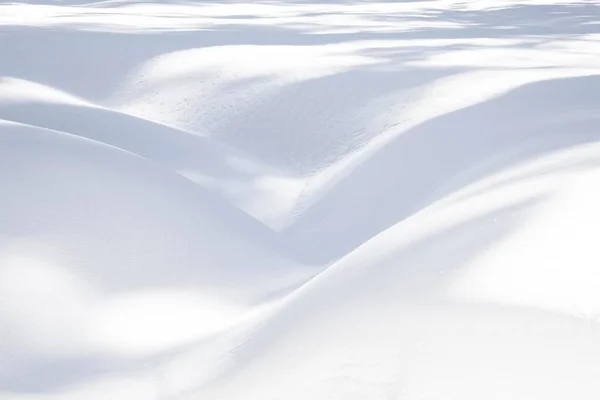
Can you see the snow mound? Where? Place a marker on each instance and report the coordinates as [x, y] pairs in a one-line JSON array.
[[443, 154], [442, 304], [252, 186], [101, 229]]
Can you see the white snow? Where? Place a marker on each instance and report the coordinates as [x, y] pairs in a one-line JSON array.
[[299, 200]]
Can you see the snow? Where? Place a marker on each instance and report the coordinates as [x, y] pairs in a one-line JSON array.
[[299, 200]]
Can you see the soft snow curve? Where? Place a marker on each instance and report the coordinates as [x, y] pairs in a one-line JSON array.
[[299, 200]]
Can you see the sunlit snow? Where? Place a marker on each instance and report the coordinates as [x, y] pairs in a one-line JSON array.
[[298, 200]]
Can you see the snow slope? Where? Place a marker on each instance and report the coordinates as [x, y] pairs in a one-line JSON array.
[[490, 293], [299, 200], [106, 254]]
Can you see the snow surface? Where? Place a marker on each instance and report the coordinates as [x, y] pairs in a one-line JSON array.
[[299, 200]]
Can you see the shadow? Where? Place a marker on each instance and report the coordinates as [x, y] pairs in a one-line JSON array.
[[316, 136], [43, 375], [67, 52]]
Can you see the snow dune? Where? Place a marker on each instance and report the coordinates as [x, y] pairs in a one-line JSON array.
[[299, 200], [131, 246]]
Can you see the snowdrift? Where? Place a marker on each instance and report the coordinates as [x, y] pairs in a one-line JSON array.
[[500, 267], [446, 153], [94, 255], [307, 200]]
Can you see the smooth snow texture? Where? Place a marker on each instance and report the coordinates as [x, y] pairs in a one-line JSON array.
[[299, 200], [155, 257]]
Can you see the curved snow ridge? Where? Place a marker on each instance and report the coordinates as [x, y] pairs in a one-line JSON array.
[[18, 136], [111, 241], [476, 282], [59, 142], [400, 179], [534, 185], [192, 88], [12, 125], [269, 110], [427, 102], [18, 91], [256, 188], [35, 104]]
